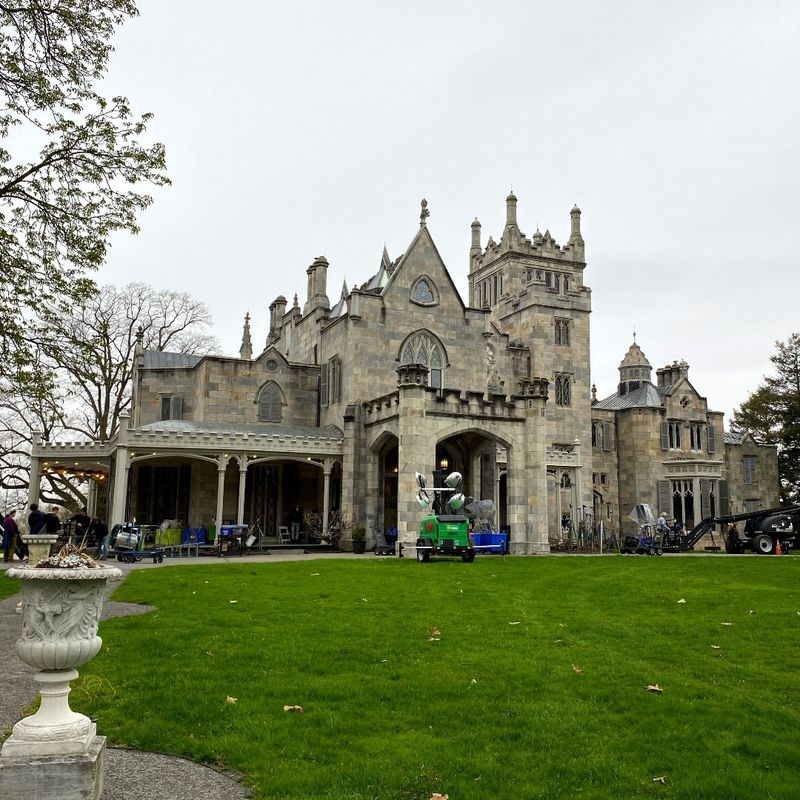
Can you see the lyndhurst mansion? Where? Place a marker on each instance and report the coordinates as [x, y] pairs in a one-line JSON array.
[[346, 400]]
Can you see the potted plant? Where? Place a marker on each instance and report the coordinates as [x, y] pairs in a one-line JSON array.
[[359, 536]]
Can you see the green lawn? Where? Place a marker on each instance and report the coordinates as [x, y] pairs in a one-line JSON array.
[[7, 587], [533, 685]]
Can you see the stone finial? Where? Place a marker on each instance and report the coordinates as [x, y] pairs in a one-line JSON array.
[[594, 394], [424, 214], [295, 304], [140, 338], [246, 350]]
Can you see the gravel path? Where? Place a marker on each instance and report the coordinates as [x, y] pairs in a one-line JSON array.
[[130, 774]]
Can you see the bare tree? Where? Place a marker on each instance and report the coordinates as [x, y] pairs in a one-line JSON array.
[[84, 362], [27, 406]]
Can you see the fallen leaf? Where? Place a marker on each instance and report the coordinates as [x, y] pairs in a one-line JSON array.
[[751, 612], [654, 687], [576, 668], [513, 623], [437, 796], [660, 779], [314, 574], [474, 681], [231, 700], [297, 709], [715, 647], [209, 653], [434, 632], [363, 599], [682, 600], [726, 623], [233, 601]]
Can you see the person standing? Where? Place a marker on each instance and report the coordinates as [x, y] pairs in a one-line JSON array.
[[81, 522], [11, 537], [52, 522], [296, 521], [36, 520], [101, 532], [7, 529]]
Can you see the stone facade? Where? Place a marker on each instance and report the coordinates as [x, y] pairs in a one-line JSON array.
[[347, 400], [660, 444]]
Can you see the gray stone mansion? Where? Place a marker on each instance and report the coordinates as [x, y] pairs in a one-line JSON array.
[[346, 400]]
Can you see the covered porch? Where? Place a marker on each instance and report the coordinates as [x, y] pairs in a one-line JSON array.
[[205, 474]]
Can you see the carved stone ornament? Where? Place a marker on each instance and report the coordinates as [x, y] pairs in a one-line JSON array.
[[60, 614]]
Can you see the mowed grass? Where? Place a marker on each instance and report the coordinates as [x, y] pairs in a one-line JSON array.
[[7, 587], [506, 678]]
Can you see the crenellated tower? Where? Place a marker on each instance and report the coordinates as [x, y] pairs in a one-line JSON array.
[[534, 292]]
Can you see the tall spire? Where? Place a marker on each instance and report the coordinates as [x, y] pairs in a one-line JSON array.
[[246, 350]]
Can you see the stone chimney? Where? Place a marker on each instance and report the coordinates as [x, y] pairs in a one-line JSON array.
[[575, 239], [317, 285], [511, 210], [475, 249], [277, 309]]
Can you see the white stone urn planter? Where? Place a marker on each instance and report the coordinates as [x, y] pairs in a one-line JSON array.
[[60, 613]]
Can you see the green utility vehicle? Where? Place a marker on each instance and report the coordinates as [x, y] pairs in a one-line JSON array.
[[444, 535]]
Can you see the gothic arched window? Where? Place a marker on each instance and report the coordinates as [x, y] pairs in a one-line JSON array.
[[270, 403], [424, 348]]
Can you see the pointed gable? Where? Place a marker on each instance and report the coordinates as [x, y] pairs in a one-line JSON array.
[[422, 268]]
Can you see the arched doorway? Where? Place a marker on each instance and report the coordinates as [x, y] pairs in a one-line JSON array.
[[482, 462], [388, 466]]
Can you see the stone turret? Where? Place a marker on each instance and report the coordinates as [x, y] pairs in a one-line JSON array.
[[634, 370]]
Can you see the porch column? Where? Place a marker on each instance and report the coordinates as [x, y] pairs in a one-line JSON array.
[[242, 485], [327, 465], [474, 488], [36, 470], [122, 462], [496, 496], [91, 497], [221, 467], [578, 487]]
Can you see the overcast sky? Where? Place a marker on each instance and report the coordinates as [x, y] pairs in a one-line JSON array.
[[296, 129]]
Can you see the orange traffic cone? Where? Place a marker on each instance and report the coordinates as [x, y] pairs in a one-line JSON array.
[[778, 550]]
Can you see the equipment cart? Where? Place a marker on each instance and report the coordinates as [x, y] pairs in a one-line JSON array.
[[135, 542], [232, 540]]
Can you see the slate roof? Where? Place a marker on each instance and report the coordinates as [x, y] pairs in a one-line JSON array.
[[156, 359], [253, 428], [737, 438], [646, 396]]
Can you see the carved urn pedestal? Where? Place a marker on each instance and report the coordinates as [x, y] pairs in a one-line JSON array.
[[56, 753]]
